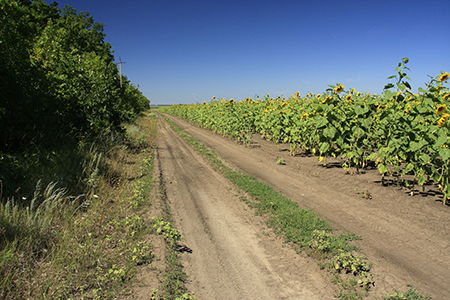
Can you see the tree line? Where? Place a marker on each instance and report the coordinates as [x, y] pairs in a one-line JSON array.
[[58, 82]]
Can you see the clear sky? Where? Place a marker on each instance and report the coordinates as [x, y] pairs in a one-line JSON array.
[[185, 51]]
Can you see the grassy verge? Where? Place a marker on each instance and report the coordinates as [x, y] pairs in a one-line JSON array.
[[303, 228], [100, 248], [88, 246]]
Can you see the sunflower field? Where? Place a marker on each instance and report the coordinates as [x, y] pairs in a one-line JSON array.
[[404, 134]]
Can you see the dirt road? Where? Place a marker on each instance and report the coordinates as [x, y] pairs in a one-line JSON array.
[[233, 254], [406, 238]]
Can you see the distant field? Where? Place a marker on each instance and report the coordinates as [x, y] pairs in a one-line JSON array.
[[153, 106]]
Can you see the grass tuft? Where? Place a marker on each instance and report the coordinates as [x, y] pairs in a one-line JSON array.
[[410, 294]]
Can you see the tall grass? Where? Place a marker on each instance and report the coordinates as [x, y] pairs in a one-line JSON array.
[[42, 194], [27, 232], [29, 227]]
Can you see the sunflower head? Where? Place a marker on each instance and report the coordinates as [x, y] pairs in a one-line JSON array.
[[441, 108], [407, 108], [327, 98], [444, 119], [339, 88], [444, 76], [297, 94], [447, 96], [348, 97]]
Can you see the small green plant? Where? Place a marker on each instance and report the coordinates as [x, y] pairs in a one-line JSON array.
[[410, 294], [138, 197], [350, 263], [166, 229], [116, 273], [155, 295], [147, 162], [141, 253], [185, 296], [131, 224], [281, 161], [322, 241], [365, 280]]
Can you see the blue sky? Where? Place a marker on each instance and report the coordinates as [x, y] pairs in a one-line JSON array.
[[188, 51]]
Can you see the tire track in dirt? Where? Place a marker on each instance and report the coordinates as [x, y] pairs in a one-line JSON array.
[[404, 246], [233, 257]]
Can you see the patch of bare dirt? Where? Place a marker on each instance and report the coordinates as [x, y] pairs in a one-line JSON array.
[[407, 238], [233, 256]]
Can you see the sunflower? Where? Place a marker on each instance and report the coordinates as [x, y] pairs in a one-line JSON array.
[[297, 94], [442, 120], [327, 98], [348, 97], [304, 116], [444, 76], [447, 96], [231, 100], [339, 88], [441, 108], [407, 108]]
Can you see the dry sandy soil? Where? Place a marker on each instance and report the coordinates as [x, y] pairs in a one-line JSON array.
[[406, 238], [234, 256]]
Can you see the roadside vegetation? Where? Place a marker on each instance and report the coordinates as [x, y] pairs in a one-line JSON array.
[[87, 246], [404, 135], [70, 224]]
